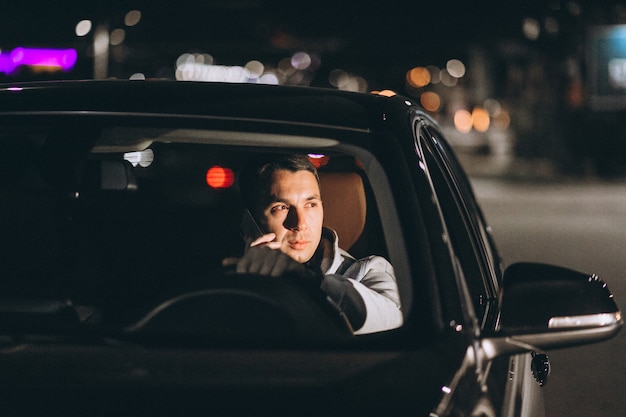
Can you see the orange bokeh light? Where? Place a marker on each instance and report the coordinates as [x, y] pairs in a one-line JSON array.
[[220, 177], [430, 101], [387, 93], [463, 121], [480, 119], [418, 77]]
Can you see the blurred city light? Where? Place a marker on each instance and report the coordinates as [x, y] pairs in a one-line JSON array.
[[301, 60], [268, 78], [254, 69], [48, 59], [101, 52], [551, 25], [430, 101], [83, 28], [346, 81], [418, 77], [117, 37], [480, 119], [220, 177], [386, 93], [200, 67], [463, 121], [447, 79], [531, 28], [502, 120], [132, 18], [492, 106], [455, 68]]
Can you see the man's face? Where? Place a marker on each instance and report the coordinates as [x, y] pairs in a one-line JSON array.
[[295, 213]]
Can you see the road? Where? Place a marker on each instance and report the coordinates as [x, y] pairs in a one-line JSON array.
[[581, 225]]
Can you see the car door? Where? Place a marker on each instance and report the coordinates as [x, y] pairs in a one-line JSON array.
[[506, 383]]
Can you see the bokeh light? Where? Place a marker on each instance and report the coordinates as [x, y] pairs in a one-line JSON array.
[[345, 81], [220, 177], [480, 119], [447, 79], [387, 93], [117, 37], [132, 18], [83, 28], [301, 60], [492, 106], [455, 68], [269, 78], [418, 77], [502, 120], [430, 101], [255, 69], [531, 29], [463, 121]]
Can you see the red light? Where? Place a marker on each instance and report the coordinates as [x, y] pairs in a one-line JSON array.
[[319, 161], [220, 177]]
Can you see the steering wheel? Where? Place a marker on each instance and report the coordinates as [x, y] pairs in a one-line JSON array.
[[248, 309]]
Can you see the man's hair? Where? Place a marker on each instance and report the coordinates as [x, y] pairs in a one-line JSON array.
[[256, 179]]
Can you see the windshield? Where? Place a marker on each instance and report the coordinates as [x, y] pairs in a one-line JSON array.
[[128, 230]]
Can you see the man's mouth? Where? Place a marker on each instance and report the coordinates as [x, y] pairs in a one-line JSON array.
[[298, 244]]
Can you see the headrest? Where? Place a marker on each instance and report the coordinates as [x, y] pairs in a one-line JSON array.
[[343, 196]]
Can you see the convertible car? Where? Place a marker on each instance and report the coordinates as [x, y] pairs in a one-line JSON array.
[[121, 200]]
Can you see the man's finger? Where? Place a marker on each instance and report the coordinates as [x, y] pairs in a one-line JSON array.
[[263, 239]]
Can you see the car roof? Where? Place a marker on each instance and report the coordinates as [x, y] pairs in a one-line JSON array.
[[282, 104]]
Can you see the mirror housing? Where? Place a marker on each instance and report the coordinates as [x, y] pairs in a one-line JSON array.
[[546, 307]]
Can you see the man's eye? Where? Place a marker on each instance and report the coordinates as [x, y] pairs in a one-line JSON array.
[[282, 207]]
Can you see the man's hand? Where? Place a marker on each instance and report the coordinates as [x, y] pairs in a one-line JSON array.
[[264, 257]]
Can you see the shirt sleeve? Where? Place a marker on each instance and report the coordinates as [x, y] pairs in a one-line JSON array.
[[368, 294]]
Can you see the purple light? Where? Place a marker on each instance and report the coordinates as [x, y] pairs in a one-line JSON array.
[[6, 65], [63, 59]]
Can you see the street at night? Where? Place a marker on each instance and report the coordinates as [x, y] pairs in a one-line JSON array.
[[530, 95], [579, 224]]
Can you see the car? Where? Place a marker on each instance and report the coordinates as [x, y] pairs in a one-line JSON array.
[[122, 199]]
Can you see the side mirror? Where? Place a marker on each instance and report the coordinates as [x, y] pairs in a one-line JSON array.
[[546, 307]]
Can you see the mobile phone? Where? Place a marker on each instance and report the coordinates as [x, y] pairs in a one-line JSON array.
[[248, 227]]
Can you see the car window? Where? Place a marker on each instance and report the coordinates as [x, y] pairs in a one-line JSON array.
[[464, 227], [117, 224]]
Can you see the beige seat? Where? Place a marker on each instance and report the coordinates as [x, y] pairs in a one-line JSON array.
[[343, 196]]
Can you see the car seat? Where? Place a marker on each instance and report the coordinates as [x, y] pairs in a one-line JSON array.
[[345, 208]]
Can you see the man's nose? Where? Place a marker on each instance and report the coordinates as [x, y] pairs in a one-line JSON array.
[[295, 219]]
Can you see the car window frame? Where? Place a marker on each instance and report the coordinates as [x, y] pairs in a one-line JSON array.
[[431, 144]]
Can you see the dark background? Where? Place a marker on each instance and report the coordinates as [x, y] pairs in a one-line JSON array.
[[540, 80]]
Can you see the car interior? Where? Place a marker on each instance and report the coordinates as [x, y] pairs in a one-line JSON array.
[[128, 237]]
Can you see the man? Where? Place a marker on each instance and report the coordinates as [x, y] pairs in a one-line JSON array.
[[283, 194]]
